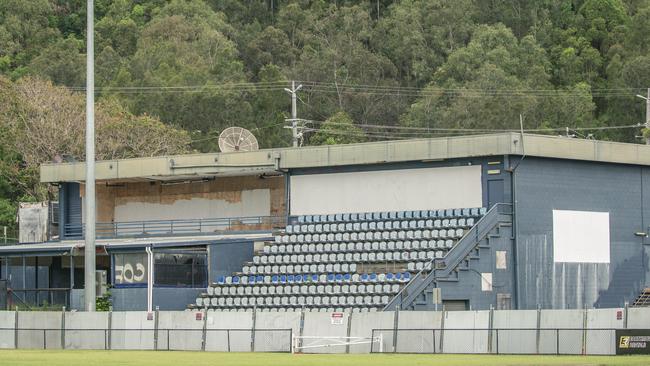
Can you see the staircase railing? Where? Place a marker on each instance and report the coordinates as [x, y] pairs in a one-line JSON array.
[[442, 267]]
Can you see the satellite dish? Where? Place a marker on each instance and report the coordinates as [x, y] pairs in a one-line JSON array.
[[237, 139]]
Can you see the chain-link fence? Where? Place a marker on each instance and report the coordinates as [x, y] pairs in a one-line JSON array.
[[195, 339], [556, 341]]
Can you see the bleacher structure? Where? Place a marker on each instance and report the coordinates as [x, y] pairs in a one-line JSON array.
[[341, 262]]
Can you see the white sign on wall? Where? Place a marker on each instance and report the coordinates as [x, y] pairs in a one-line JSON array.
[[581, 236], [130, 269]]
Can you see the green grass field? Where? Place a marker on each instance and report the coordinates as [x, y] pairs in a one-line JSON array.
[[162, 358]]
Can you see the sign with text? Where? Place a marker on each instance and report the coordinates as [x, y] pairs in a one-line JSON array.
[[130, 268], [633, 342], [337, 318]]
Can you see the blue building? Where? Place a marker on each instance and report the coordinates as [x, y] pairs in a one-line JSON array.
[[508, 221]]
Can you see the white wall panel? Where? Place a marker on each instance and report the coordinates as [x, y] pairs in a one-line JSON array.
[[580, 236], [256, 202], [387, 190]]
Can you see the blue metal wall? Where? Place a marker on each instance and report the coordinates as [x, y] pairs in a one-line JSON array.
[[542, 185]]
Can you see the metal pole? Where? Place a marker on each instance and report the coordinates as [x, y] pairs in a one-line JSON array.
[[647, 116], [89, 250], [294, 112]]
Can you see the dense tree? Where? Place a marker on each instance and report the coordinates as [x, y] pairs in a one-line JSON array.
[[338, 129]]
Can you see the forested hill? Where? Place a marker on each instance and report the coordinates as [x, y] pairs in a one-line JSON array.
[[471, 64]]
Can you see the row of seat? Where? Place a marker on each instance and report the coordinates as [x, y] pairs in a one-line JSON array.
[[376, 236], [367, 246], [360, 289], [373, 226], [293, 301], [313, 278], [392, 215], [338, 263]]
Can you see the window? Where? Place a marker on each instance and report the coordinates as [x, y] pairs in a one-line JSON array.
[[180, 269]]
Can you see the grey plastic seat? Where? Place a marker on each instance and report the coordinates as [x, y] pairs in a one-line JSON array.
[[470, 222]]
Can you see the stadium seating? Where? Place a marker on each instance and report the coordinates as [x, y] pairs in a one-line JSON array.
[[339, 262]]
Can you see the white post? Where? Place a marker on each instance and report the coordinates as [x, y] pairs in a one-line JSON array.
[[149, 279], [89, 251]]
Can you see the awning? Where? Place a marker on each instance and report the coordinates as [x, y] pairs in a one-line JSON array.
[[76, 246]]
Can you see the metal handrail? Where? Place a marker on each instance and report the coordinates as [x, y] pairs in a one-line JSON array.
[[454, 252], [174, 227]]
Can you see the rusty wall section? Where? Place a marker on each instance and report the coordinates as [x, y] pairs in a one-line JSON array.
[[225, 190]]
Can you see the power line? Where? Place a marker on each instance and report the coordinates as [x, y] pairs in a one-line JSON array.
[[490, 130]]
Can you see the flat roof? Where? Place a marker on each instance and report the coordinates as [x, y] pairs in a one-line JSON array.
[[194, 166]]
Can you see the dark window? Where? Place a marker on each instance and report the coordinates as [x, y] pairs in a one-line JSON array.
[[180, 269]]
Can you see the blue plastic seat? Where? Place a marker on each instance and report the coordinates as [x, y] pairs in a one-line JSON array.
[[221, 279], [389, 276], [364, 277], [314, 278], [406, 276], [251, 279], [235, 279], [373, 277], [339, 277], [398, 276], [274, 278], [283, 279], [330, 277], [347, 277]]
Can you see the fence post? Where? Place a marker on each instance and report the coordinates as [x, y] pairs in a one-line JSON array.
[[16, 330], [301, 328], [557, 341], [347, 347], [625, 312], [253, 329], [205, 328], [44, 339], [538, 332], [490, 328], [395, 325], [63, 328], [584, 331], [442, 329], [110, 328], [155, 328], [228, 338]]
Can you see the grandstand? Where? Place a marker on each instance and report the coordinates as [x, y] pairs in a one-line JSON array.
[[341, 262], [459, 223]]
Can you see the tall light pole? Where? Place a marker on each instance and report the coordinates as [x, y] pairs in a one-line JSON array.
[[89, 248], [647, 115]]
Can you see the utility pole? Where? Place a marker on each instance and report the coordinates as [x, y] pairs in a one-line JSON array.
[[647, 115], [90, 213], [294, 111]]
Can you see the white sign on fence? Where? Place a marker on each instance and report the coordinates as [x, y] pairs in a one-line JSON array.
[[337, 318]]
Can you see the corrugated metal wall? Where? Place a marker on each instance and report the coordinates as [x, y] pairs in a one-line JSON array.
[[542, 185]]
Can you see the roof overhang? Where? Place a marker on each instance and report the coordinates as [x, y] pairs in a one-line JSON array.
[[270, 161], [75, 247]]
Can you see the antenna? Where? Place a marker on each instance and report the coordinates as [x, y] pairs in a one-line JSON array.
[[237, 139]]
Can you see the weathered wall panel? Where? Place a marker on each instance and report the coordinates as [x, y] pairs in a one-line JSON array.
[[543, 185]]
